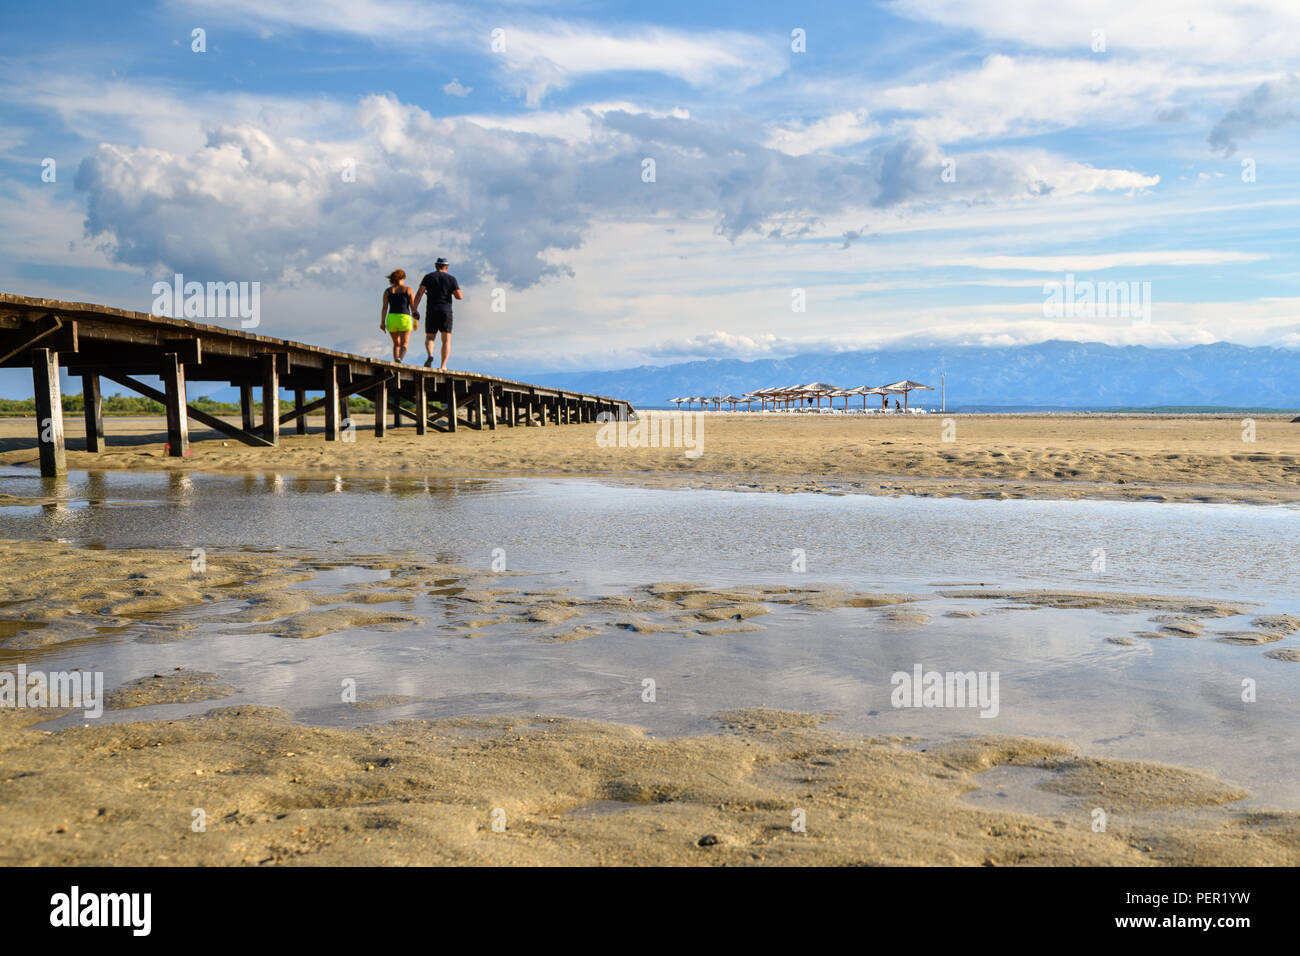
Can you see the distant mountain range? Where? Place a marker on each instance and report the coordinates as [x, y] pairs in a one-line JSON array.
[[1061, 375], [1049, 374]]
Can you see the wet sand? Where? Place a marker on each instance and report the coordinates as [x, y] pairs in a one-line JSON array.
[[998, 456], [545, 790], [566, 791], [55, 594]]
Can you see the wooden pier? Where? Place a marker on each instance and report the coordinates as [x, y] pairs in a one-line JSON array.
[[97, 342]]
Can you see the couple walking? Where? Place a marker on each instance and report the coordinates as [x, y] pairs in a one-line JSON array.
[[401, 310]]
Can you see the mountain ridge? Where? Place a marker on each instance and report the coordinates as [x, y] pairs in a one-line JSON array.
[[1053, 373]]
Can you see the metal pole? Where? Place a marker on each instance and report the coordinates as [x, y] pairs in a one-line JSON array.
[[943, 390]]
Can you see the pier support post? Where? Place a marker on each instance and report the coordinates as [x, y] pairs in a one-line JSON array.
[[246, 405], [449, 399], [178, 427], [270, 397], [49, 413], [299, 400], [421, 405], [93, 404], [490, 401], [475, 407], [540, 404], [380, 396], [331, 401]]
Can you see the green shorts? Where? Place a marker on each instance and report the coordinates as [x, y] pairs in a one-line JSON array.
[[399, 322]]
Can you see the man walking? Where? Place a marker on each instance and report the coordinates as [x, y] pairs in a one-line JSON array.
[[441, 287]]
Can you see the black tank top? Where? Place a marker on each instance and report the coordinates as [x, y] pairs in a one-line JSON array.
[[399, 302]]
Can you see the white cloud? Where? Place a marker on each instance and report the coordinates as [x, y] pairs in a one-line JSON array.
[[550, 56], [502, 201], [1258, 32], [840, 129], [1111, 260], [456, 88], [369, 18], [538, 54], [1021, 96]]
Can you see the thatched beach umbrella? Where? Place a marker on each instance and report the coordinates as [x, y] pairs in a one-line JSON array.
[[907, 385], [818, 389], [843, 393], [778, 393]]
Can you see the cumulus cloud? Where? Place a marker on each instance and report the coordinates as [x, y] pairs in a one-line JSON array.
[[1267, 106], [506, 204], [456, 88]]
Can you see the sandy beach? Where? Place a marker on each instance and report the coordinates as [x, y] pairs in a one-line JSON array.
[[539, 789], [1137, 457], [535, 788]]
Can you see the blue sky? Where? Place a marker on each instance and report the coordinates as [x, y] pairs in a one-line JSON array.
[[775, 169]]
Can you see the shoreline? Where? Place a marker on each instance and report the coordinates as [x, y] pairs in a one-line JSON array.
[[1151, 458]]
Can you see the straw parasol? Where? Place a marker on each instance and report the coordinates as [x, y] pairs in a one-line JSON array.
[[818, 389], [905, 386]]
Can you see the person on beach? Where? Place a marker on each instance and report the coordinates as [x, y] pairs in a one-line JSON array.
[[397, 317], [441, 287]]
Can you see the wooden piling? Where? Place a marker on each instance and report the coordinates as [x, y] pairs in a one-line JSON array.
[[270, 397], [178, 431], [449, 399], [421, 405], [49, 413], [246, 405], [93, 404], [299, 400], [332, 402], [379, 394]]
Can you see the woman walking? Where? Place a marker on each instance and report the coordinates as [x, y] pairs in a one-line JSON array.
[[397, 317]]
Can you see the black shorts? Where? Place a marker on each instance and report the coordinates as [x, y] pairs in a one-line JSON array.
[[437, 321]]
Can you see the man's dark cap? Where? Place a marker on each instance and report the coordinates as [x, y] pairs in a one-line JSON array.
[[441, 262]]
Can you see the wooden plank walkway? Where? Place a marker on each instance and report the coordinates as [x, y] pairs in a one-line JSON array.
[[97, 342]]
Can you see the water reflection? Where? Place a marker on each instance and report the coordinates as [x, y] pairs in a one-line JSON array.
[[610, 535]]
